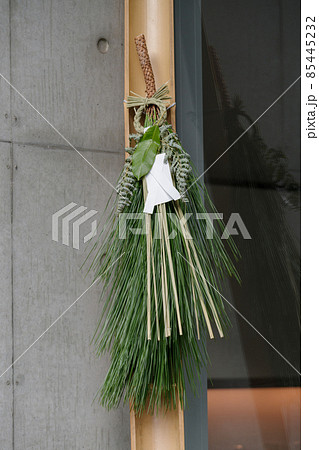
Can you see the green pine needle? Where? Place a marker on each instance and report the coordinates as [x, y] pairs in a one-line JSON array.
[[151, 372]]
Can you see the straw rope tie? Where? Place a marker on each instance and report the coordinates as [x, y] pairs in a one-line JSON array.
[[159, 99]]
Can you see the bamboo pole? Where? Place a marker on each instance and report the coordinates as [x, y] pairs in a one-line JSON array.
[[154, 19]]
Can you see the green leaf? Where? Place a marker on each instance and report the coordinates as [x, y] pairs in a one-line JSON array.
[[144, 155]]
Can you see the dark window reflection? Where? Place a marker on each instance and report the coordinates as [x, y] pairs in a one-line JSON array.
[[250, 57]]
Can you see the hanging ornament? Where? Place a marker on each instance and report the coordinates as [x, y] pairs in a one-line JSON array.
[[162, 295]]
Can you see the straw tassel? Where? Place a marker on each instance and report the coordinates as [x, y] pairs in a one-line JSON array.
[[186, 236], [148, 259], [162, 209], [164, 284], [155, 293]]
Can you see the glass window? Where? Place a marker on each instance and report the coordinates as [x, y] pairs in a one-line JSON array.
[[251, 133]]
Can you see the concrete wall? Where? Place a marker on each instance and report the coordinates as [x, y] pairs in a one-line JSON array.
[[48, 52]]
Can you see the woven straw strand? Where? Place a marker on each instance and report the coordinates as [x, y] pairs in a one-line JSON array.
[[146, 65]]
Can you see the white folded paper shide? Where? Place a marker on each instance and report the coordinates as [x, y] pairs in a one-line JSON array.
[[160, 188]]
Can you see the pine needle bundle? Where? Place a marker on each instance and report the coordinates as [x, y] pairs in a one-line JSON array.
[[162, 295]]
